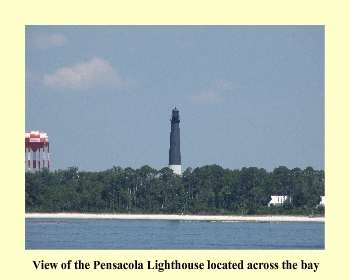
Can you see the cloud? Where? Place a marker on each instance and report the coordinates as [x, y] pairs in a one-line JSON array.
[[213, 94], [221, 84], [210, 97], [45, 41], [85, 75]]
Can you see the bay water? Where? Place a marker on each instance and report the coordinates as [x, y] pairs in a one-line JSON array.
[[114, 234]]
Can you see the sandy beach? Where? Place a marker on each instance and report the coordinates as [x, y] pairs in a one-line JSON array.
[[175, 217]]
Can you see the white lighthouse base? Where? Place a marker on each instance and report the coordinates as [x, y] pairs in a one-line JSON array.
[[176, 169]]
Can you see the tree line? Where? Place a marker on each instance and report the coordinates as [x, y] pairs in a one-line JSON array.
[[210, 189]]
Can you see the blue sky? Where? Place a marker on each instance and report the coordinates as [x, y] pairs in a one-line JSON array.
[[247, 95]]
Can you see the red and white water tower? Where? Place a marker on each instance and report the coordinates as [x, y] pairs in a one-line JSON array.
[[37, 151]]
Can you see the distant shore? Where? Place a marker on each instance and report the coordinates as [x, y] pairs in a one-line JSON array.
[[175, 217]]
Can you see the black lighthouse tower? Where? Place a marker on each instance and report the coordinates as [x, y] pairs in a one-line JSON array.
[[174, 150]]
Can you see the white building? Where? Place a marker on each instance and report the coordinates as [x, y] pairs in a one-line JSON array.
[[322, 201], [278, 200]]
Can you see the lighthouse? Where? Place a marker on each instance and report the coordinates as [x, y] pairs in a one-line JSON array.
[[36, 142], [174, 150]]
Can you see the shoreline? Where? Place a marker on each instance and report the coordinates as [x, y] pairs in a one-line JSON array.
[[175, 217]]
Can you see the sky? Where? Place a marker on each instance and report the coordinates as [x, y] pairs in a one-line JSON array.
[[248, 96]]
